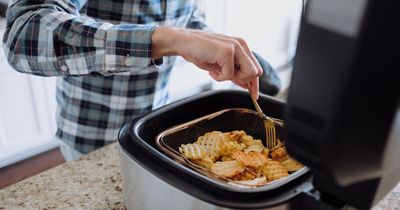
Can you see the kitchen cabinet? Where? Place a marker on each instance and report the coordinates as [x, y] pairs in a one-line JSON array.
[[27, 113]]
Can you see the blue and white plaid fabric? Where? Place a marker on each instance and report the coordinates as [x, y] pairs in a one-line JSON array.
[[101, 52]]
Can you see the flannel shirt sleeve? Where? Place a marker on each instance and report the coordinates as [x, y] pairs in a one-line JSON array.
[[197, 19], [50, 38]]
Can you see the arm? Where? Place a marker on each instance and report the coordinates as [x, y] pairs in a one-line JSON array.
[[224, 57], [50, 38]]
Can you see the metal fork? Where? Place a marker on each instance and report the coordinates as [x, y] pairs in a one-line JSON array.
[[268, 122]]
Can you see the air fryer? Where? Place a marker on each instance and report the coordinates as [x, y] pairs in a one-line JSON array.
[[342, 116]]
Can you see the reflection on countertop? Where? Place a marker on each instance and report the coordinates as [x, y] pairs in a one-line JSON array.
[[92, 182]]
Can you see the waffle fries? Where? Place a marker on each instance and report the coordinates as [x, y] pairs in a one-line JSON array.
[[253, 159], [212, 142], [240, 158], [227, 168], [193, 151], [274, 171], [280, 154]]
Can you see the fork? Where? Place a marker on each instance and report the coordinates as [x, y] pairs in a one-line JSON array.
[[268, 122]]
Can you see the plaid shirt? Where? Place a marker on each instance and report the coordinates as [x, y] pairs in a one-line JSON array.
[[101, 52]]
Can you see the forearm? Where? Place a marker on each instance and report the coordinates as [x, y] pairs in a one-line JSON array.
[[226, 58], [165, 41]]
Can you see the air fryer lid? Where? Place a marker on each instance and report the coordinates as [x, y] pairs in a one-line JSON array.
[[341, 105], [137, 139]]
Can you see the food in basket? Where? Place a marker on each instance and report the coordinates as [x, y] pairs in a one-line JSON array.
[[285, 160], [252, 158], [273, 170], [227, 168], [193, 151], [240, 158]]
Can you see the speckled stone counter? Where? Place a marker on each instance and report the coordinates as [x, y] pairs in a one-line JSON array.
[[92, 182]]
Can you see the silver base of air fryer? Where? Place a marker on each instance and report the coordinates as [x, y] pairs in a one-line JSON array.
[[144, 191]]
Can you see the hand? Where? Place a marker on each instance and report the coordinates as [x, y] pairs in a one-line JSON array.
[[226, 58]]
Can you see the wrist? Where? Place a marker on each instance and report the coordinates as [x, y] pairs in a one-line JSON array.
[[165, 41]]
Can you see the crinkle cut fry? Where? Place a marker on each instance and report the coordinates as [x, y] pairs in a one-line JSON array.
[[192, 151], [254, 159], [227, 168], [273, 170]]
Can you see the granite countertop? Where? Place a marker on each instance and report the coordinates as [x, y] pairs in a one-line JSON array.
[[92, 182]]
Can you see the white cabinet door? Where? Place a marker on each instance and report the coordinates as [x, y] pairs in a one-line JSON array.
[[27, 114]]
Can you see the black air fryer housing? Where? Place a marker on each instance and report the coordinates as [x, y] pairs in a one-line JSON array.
[[344, 97]]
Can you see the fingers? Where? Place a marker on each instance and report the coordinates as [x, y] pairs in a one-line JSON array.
[[218, 54], [250, 67], [254, 85], [228, 65], [208, 66], [247, 70], [224, 71], [242, 85], [246, 48], [252, 57], [213, 75]]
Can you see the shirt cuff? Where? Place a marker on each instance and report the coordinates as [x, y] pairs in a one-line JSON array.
[[129, 46]]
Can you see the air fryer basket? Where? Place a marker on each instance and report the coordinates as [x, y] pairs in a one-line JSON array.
[[225, 120], [138, 140]]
